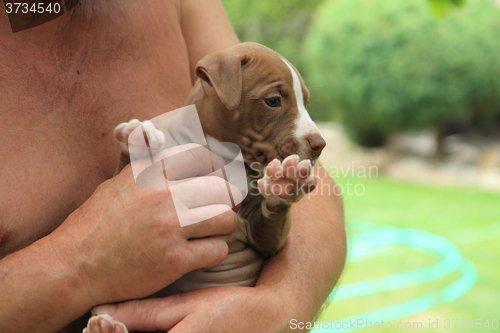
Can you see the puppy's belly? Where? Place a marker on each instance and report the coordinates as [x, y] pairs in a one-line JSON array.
[[240, 268]]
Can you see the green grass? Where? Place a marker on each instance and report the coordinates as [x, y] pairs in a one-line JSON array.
[[465, 217]]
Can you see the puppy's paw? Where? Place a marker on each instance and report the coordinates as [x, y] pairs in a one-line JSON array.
[[134, 143], [287, 182], [104, 324]]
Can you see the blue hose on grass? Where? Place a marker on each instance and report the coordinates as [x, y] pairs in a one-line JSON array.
[[368, 243]]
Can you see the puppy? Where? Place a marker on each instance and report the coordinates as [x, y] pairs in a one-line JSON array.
[[251, 96]]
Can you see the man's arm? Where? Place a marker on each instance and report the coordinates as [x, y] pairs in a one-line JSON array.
[[206, 29], [305, 271], [39, 292]]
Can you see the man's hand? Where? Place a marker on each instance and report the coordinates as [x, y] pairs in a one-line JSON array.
[[124, 242], [125, 234], [218, 310]]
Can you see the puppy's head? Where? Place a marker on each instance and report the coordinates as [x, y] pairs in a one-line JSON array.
[[255, 98]]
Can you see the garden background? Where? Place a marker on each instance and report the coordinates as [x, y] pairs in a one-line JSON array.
[[409, 90]]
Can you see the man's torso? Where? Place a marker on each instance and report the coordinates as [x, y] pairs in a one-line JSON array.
[[63, 88]]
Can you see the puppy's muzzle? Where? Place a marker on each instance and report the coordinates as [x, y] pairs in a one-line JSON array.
[[316, 145]]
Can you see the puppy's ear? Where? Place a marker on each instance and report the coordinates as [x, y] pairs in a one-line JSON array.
[[222, 70]]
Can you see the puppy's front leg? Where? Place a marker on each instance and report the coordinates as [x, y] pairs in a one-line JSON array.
[[135, 145], [282, 185]]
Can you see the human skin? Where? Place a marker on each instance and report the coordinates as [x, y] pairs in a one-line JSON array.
[[64, 86]]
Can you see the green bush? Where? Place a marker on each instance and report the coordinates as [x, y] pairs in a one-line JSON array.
[[281, 25], [391, 65]]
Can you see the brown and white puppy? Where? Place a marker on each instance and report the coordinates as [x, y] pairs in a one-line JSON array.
[[251, 96]]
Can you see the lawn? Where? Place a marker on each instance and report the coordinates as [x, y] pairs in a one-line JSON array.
[[419, 254]]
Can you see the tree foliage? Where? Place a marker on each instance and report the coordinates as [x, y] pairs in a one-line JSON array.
[[279, 24], [390, 65], [442, 7]]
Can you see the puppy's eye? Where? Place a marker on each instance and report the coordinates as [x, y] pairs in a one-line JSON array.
[[273, 102]]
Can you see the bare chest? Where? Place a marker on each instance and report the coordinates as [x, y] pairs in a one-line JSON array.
[[60, 100]]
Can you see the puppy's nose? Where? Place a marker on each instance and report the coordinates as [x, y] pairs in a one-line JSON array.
[[317, 143]]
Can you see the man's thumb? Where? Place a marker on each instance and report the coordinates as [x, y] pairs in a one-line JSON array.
[[154, 314]]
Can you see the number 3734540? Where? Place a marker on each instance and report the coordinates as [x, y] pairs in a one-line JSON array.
[[35, 8], [470, 324]]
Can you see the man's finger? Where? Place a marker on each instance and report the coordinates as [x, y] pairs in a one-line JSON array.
[[175, 164], [188, 160], [180, 162], [223, 224], [204, 191], [205, 252]]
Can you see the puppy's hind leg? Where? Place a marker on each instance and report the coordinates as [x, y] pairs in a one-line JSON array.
[[104, 324]]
